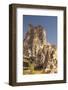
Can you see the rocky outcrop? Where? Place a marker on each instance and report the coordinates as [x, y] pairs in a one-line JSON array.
[[38, 51]]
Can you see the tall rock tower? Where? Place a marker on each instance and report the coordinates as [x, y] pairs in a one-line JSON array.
[[37, 51], [34, 39]]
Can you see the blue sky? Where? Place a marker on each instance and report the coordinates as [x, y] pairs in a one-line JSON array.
[[48, 22]]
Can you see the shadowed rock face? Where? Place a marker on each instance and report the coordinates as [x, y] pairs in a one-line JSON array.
[[37, 49]]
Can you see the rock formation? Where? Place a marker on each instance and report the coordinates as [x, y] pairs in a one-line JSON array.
[[38, 52]]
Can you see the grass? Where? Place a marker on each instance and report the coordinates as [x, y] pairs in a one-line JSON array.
[[32, 71]]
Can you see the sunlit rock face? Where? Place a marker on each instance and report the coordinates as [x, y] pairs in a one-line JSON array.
[[38, 51]]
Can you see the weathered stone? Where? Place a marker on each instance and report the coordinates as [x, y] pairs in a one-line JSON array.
[[35, 46]]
